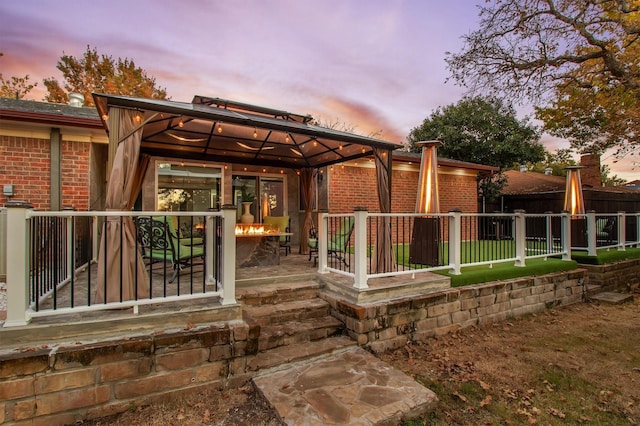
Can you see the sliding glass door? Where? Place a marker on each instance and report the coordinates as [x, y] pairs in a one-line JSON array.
[[265, 196]]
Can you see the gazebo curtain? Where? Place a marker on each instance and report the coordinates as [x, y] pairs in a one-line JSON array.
[[121, 271], [306, 189], [384, 245]]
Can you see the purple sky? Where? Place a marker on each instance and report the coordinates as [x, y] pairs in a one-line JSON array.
[[377, 65]]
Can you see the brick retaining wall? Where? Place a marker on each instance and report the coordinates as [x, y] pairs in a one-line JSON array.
[[389, 325], [68, 383], [65, 384], [619, 276]]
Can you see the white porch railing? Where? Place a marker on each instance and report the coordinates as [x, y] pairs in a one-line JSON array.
[[450, 241], [53, 258]]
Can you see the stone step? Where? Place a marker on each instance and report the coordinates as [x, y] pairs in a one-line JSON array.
[[612, 297], [349, 387], [592, 289], [280, 357], [292, 332], [296, 310], [272, 294]]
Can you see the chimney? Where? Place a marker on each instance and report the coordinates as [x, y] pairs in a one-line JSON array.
[[590, 174], [76, 99]]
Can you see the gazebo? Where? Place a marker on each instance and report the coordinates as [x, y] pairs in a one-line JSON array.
[[220, 130]]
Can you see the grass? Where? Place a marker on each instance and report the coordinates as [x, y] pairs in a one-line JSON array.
[[486, 250], [504, 271], [571, 366], [604, 257], [481, 251]]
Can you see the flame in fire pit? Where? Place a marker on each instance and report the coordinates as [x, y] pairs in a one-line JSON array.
[[257, 229]]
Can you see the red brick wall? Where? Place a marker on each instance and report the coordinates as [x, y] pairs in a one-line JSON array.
[[75, 174], [351, 186], [26, 163]]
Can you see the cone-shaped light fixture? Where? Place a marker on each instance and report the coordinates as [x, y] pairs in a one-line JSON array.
[[428, 197]]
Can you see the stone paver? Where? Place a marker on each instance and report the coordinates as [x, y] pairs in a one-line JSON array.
[[612, 297], [348, 388]]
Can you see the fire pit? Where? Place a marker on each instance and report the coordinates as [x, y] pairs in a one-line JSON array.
[[257, 244], [255, 229]]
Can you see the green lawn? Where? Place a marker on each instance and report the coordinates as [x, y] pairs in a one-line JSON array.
[[473, 251], [486, 250], [504, 271], [605, 256]]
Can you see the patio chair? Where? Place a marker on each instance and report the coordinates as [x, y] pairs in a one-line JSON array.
[[312, 242], [159, 242], [606, 230], [283, 223], [186, 235], [338, 244]]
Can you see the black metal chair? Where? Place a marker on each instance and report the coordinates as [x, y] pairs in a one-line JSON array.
[[160, 243]]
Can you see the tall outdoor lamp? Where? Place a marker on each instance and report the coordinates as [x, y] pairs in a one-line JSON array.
[[425, 237], [574, 205], [428, 197]]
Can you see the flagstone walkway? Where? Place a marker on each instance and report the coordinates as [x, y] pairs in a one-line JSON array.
[[352, 387]]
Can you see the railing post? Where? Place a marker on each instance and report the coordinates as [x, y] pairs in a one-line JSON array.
[[360, 247], [548, 232], [71, 264], [210, 249], [95, 239], [17, 263], [637, 230], [228, 276], [622, 231], [565, 238], [591, 233], [520, 236], [455, 240], [322, 241]]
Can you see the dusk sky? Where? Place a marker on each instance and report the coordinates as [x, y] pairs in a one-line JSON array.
[[377, 65]]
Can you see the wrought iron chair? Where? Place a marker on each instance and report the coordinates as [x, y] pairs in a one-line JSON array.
[[338, 244], [159, 242]]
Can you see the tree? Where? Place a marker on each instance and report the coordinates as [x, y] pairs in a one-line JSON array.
[[608, 179], [557, 162], [15, 87], [483, 131], [582, 56], [101, 74]]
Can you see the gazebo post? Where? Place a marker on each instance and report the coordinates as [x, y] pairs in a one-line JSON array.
[[229, 254]]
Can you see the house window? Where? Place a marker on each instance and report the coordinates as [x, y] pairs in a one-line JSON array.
[[183, 187], [267, 195]]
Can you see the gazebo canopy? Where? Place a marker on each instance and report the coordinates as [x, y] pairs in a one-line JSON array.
[[213, 129]]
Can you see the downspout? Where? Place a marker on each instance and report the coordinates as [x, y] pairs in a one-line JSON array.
[[55, 173]]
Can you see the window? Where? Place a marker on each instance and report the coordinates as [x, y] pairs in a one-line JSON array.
[[188, 187]]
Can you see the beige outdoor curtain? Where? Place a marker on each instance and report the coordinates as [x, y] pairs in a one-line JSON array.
[[306, 189], [118, 259], [384, 246]]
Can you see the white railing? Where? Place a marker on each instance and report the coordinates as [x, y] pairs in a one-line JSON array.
[[3, 243], [54, 262], [48, 257], [449, 241]]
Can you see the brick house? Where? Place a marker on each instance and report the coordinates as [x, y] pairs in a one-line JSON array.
[[539, 192], [54, 155]]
